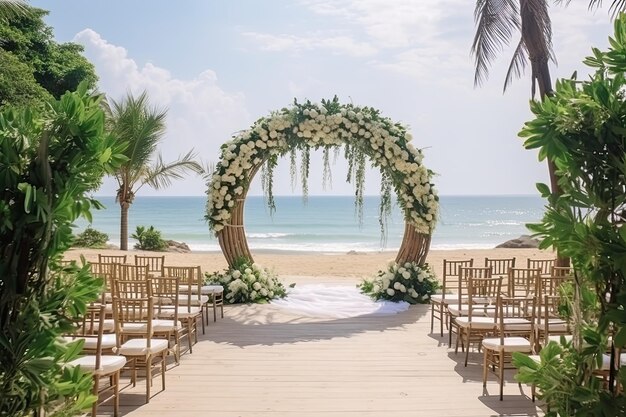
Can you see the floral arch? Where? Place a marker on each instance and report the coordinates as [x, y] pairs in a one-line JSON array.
[[363, 132]]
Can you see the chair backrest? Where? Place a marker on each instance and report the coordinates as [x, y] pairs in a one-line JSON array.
[[133, 272], [549, 320], [108, 273], [544, 264], [522, 282], [166, 296], [482, 294], [90, 329], [500, 266], [111, 259], [516, 317], [189, 276], [550, 285], [133, 308], [450, 279], [561, 271], [154, 263], [465, 273]]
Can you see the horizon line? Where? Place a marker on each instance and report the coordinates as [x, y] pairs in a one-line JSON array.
[[340, 195]]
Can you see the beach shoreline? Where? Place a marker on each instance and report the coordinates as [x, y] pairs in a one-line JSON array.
[[349, 266]]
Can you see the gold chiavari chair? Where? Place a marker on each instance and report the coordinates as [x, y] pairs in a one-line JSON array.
[[216, 297], [522, 282], [155, 264], [545, 265], [460, 307], [500, 266], [129, 272], [133, 310], [97, 363], [166, 313], [190, 287], [515, 331], [481, 318], [111, 259], [449, 285]]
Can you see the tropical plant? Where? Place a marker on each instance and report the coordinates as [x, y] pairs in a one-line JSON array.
[[91, 238], [581, 130], [149, 239], [140, 128], [50, 161], [11, 8]]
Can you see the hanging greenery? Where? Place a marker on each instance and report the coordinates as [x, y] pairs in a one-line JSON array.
[[365, 135]]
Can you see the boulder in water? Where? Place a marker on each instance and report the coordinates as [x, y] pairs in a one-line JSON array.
[[521, 242]]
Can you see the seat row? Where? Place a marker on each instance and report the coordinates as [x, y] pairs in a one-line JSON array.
[[146, 313]]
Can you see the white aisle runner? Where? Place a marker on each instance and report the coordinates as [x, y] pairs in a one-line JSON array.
[[336, 301]]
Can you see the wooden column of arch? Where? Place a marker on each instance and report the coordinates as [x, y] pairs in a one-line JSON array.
[[232, 237]]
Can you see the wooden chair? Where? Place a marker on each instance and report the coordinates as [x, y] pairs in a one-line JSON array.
[[111, 259], [515, 334], [522, 282], [190, 282], [550, 325], [460, 306], [545, 265], [154, 263], [95, 362], [216, 297], [167, 295], [449, 285], [133, 272], [481, 318], [133, 309], [500, 266], [561, 271]]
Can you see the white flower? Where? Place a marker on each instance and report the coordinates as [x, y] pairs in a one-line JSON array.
[[256, 286], [390, 291], [236, 274], [406, 275], [263, 292], [253, 295], [397, 285]]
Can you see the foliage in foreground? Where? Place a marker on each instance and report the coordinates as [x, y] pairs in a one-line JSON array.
[[49, 162], [149, 239], [247, 282], [581, 129], [91, 238], [408, 282]]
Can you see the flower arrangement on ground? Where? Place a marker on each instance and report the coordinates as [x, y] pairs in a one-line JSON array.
[[247, 282], [408, 282]]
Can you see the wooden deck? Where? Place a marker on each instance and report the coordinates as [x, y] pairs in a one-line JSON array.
[[259, 361]]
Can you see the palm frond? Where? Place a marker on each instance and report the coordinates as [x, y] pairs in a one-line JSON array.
[[161, 174], [13, 8], [616, 5], [495, 22], [517, 65]]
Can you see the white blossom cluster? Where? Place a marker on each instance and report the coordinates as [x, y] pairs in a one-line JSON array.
[[387, 144], [406, 282], [248, 284]]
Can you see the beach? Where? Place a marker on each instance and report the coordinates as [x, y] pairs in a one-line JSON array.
[[320, 266]]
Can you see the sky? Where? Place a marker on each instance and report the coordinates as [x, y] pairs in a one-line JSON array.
[[217, 66]]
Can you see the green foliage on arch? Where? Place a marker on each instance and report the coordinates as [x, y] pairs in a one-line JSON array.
[[364, 134]]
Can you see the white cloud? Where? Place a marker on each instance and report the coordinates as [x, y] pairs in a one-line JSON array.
[[334, 44], [201, 115]]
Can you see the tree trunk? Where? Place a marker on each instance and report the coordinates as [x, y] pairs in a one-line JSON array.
[[539, 54], [124, 225]]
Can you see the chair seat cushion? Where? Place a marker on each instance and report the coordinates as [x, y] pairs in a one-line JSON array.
[[108, 364], [477, 310], [517, 324], [212, 289], [480, 323], [139, 347], [511, 344], [158, 325], [183, 312], [195, 300], [91, 343], [554, 325]]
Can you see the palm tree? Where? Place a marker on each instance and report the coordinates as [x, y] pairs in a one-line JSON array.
[[11, 8], [142, 127]]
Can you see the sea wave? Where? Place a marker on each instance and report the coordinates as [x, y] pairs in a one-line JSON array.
[[267, 235], [457, 246]]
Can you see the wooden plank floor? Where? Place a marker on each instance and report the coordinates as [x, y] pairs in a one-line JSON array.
[[259, 361]]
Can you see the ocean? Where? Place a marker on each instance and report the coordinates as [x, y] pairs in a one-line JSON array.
[[326, 223]]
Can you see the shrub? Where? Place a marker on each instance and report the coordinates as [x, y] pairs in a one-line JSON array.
[[91, 238], [149, 239], [247, 282]]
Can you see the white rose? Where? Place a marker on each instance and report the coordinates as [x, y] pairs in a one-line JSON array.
[[236, 274], [253, 295], [406, 275], [390, 291], [397, 285], [263, 292], [256, 286]]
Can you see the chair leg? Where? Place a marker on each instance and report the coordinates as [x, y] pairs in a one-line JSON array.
[[94, 407], [163, 371], [189, 340], [468, 332], [501, 354], [203, 326], [116, 394], [222, 308], [485, 367], [441, 320], [148, 377], [432, 316], [458, 336], [214, 309]]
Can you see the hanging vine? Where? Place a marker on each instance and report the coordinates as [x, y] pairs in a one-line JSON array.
[[327, 176]]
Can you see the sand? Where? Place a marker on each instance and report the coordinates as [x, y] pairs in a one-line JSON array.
[[317, 266]]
